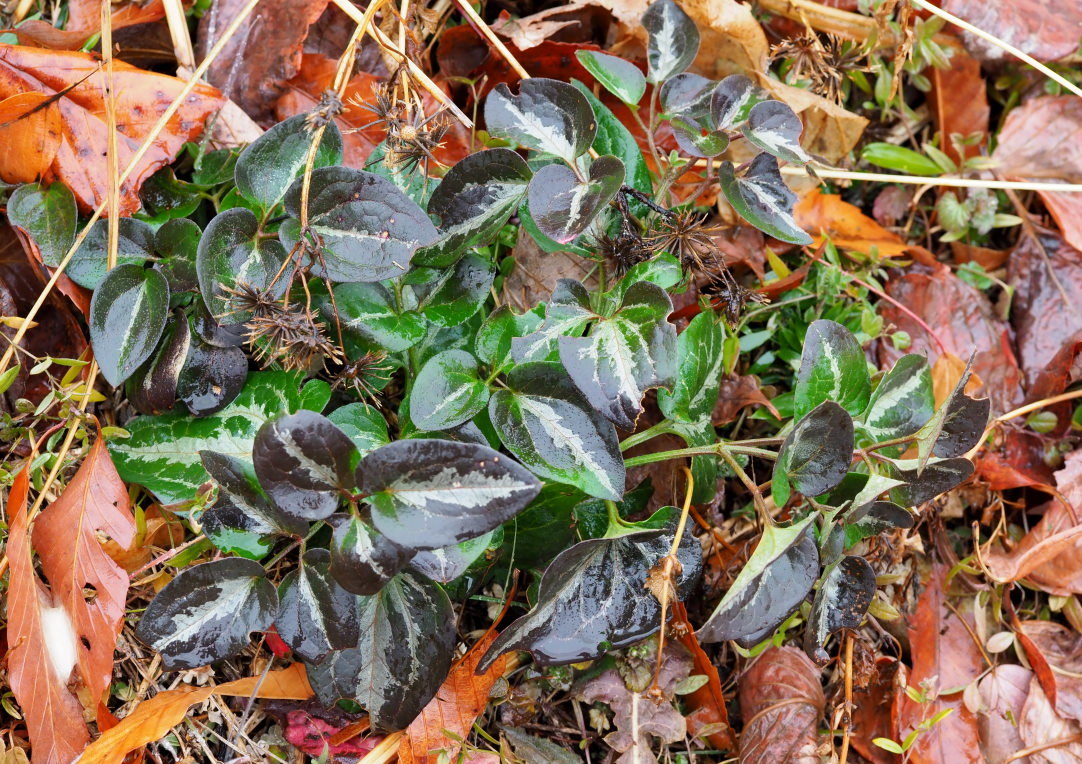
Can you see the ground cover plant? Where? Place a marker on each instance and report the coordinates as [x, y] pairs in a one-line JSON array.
[[533, 418]]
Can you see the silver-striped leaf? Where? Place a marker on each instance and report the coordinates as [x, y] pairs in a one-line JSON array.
[[315, 614], [761, 197], [363, 560], [832, 368], [233, 252], [546, 115], [845, 592], [448, 391], [127, 317], [567, 313], [775, 128], [700, 358], [562, 206], [815, 455], [902, 403], [446, 564], [673, 40]]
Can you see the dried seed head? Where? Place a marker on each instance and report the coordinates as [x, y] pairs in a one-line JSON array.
[[366, 376], [329, 107], [686, 237], [251, 300], [292, 338], [728, 295]]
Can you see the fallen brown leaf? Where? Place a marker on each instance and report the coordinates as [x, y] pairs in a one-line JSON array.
[[1062, 649], [959, 102], [872, 715], [31, 127], [84, 21], [706, 704], [782, 702], [1003, 692], [54, 718], [152, 719], [1057, 740], [736, 393], [141, 98], [1046, 30]]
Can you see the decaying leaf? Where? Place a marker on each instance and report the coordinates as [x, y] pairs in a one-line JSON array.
[[1045, 30], [827, 216], [1055, 740], [1002, 692], [1061, 647], [782, 702], [959, 102]]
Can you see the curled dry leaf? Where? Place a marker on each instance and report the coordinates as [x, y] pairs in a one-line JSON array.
[[84, 21], [737, 392], [782, 702], [1061, 648], [1003, 692], [1057, 740], [706, 704], [1045, 30], [827, 216], [945, 654], [141, 98], [959, 102]]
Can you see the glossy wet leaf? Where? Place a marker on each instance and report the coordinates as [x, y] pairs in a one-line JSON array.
[[624, 354], [816, 455], [162, 453], [699, 361], [956, 427], [938, 476], [177, 241], [546, 115], [363, 424], [369, 229], [592, 599], [550, 427], [242, 520], [152, 389], [211, 378], [832, 368], [460, 291], [135, 246], [498, 331], [902, 403], [544, 528], [370, 317], [844, 594], [448, 391], [208, 612], [404, 653], [473, 201], [269, 165], [446, 564], [775, 128], [48, 215], [427, 494], [673, 40], [232, 252], [363, 560], [732, 100], [315, 614], [617, 75], [127, 317], [761, 197], [770, 586], [562, 206], [567, 313], [303, 462], [875, 517], [688, 96], [613, 138]]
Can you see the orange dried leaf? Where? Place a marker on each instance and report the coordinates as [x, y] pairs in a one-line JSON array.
[[457, 705], [66, 538], [141, 98], [827, 216], [152, 719], [54, 718], [30, 132], [707, 704]]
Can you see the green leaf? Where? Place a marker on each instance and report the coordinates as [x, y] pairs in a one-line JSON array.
[[562, 206], [460, 291], [699, 362], [367, 227], [843, 597], [363, 424], [673, 40], [164, 197], [448, 391], [370, 317], [127, 317], [704, 468], [266, 168], [472, 203], [544, 528], [48, 215], [899, 158], [761, 197], [543, 420], [816, 455], [162, 452], [775, 128], [617, 75], [152, 389], [89, 264], [208, 611], [567, 314], [315, 614], [663, 269], [500, 327], [902, 403], [832, 368], [624, 354], [405, 650], [233, 252], [547, 115], [591, 599], [177, 241], [771, 585], [446, 564]]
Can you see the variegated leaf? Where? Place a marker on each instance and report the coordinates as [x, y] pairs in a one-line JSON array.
[[902, 403], [957, 426], [761, 197], [448, 391], [732, 101], [544, 420], [427, 494], [563, 206], [370, 317], [127, 317], [832, 368], [546, 115], [617, 75], [775, 128], [815, 456], [232, 252], [404, 653], [921, 485], [700, 357], [567, 314], [446, 564], [844, 594], [363, 560], [624, 355], [315, 614], [673, 40], [473, 201], [208, 611]]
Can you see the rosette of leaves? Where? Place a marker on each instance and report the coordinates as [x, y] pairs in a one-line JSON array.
[[355, 607]]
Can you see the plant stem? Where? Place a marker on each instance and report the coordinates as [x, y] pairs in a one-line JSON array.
[[718, 449], [756, 496], [636, 438]]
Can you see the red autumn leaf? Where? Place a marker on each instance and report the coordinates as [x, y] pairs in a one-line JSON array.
[[707, 703], [314, 735], [84, 21], [872, 715], [944, 652], [455, 708], [54, 718], [959, 102], [66, 537], [141, 98], [1045, 29], [1061, 649], [781, 700]]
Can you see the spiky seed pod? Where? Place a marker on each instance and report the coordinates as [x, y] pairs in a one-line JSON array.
[[366, 376], [292, 338], [248, 299], [329, 107], [686, 237], [728, 295]]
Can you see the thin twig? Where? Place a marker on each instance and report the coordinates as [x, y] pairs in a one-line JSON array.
[[844, 757], [669, 568], [929, 180], [486, 31]]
